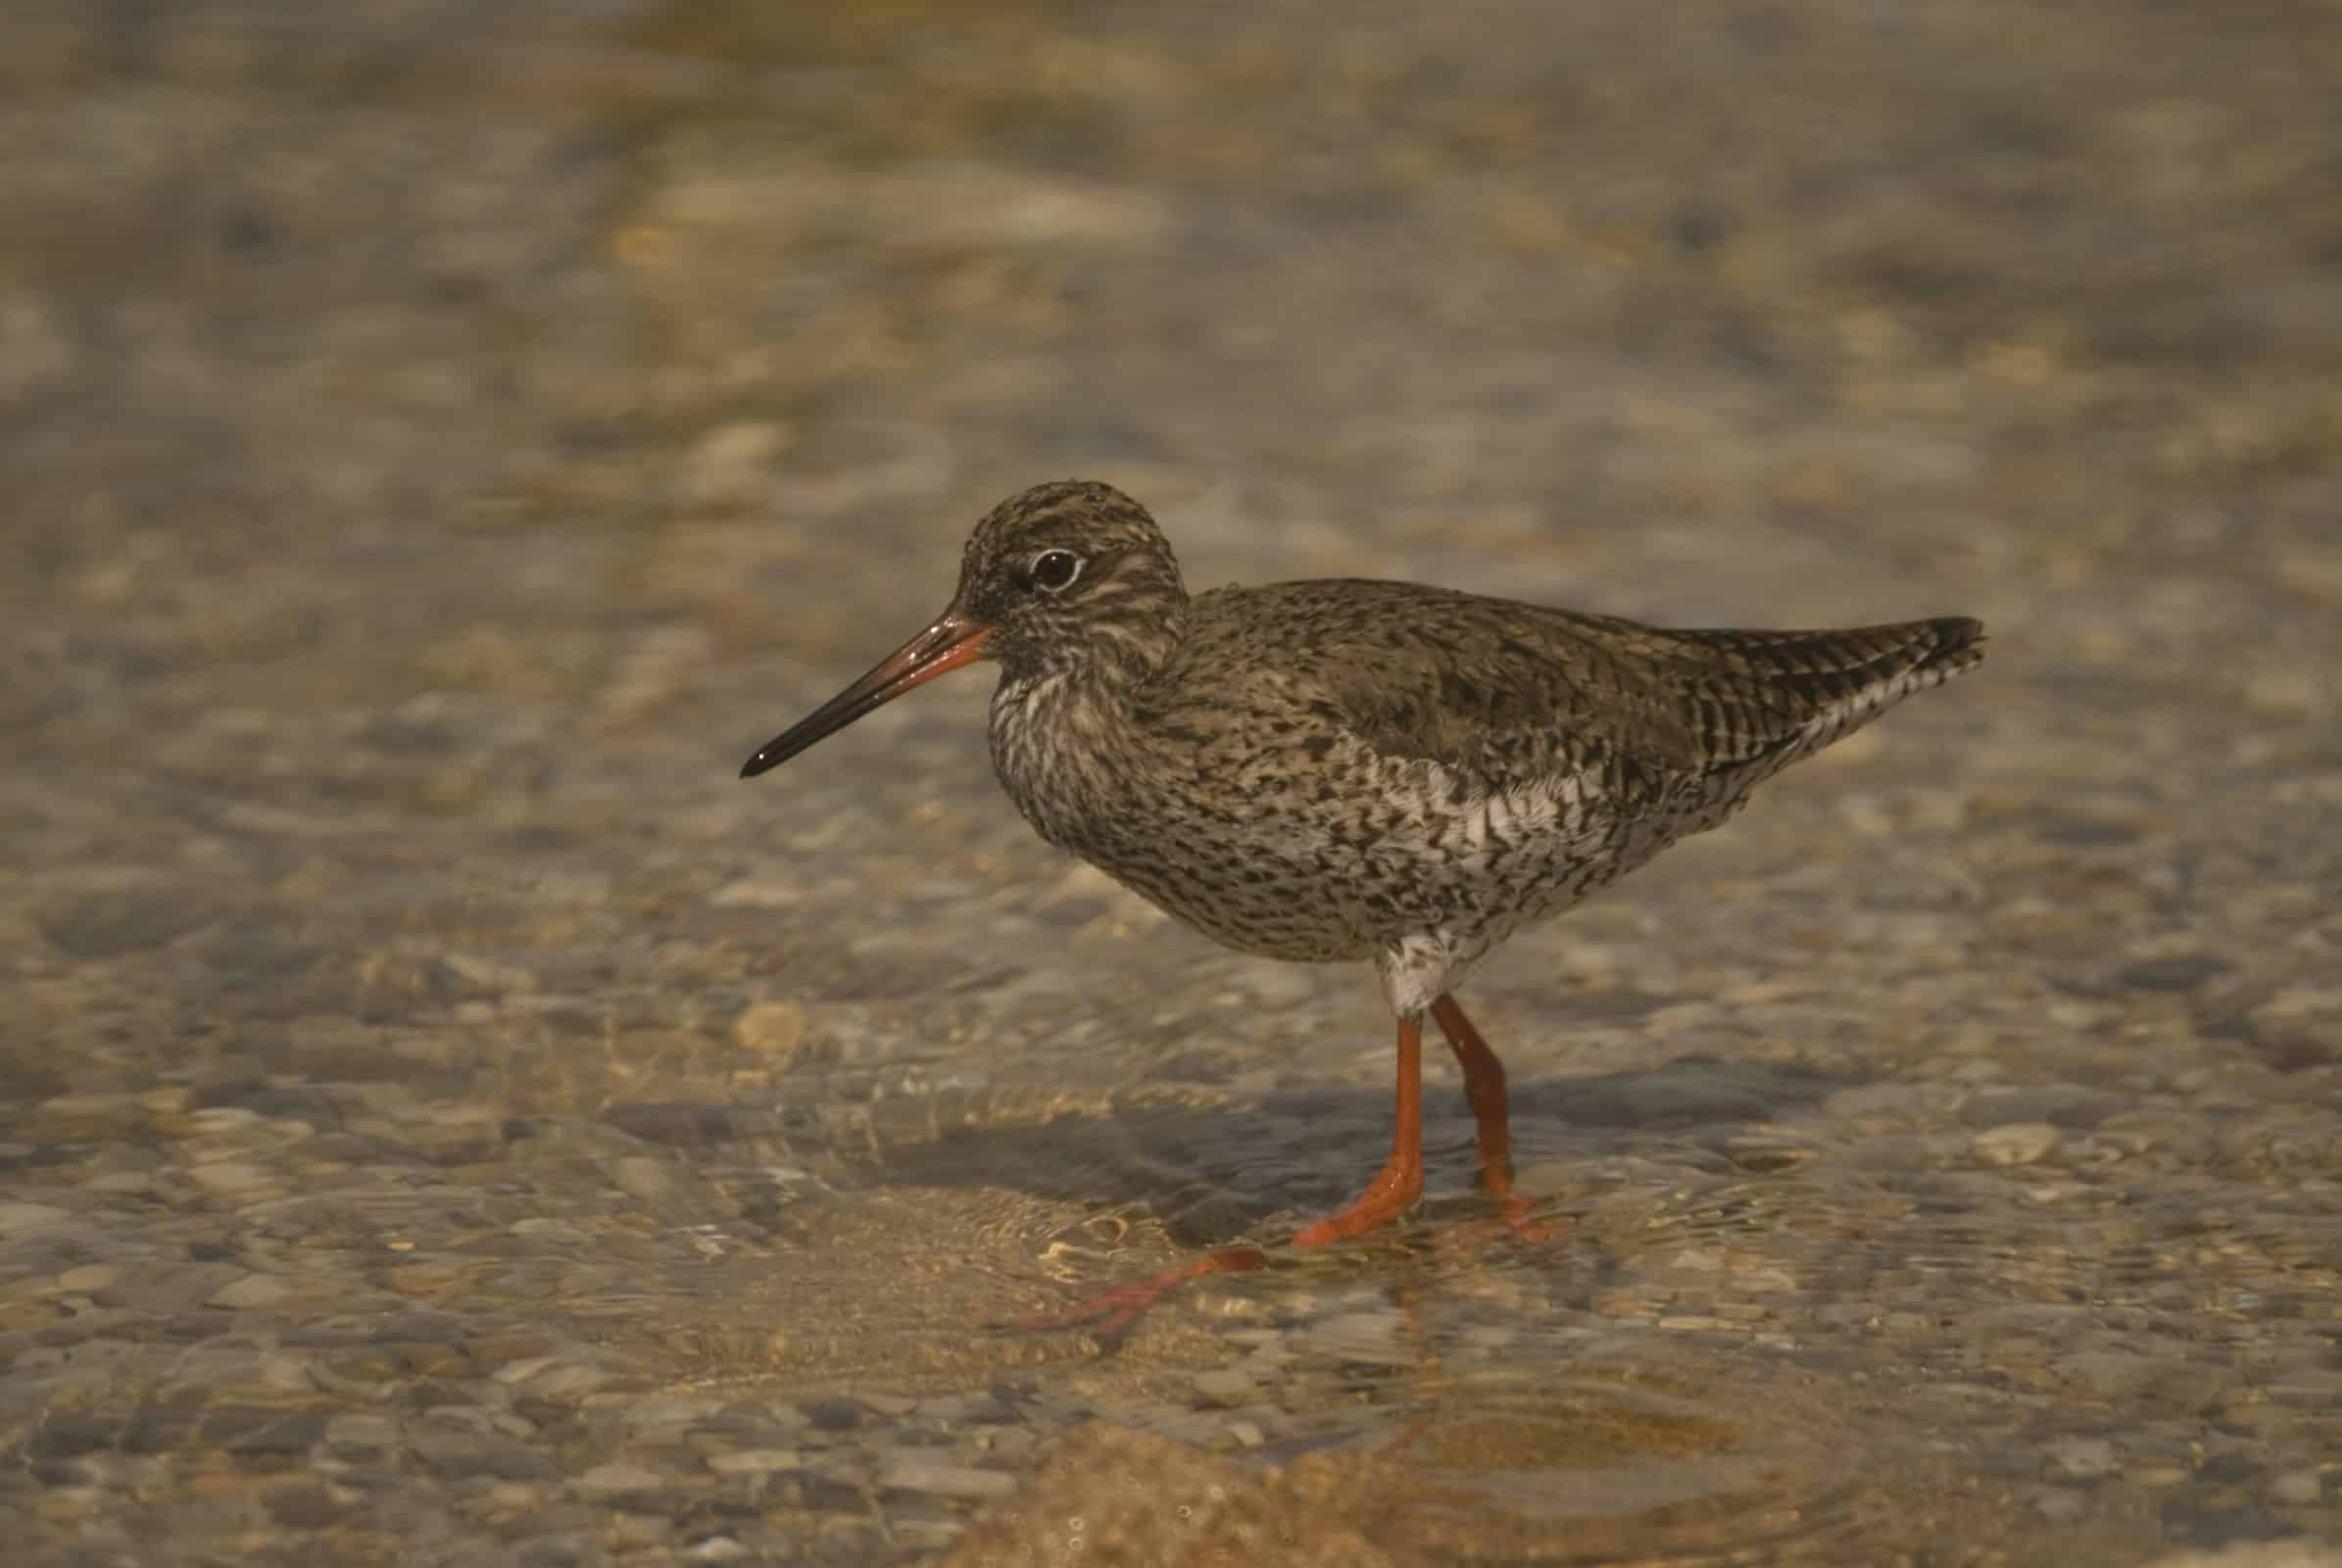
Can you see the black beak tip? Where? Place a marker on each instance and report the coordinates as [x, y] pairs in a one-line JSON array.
[[950, 642]]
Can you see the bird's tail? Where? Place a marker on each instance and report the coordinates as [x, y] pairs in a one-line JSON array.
[[1817, 687]]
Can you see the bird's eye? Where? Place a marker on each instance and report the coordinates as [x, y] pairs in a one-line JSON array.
[[1055, 569]]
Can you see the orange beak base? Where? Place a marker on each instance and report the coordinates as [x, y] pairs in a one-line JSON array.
[[952, 640]]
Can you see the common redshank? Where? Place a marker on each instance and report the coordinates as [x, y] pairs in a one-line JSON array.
[[1353, 769]]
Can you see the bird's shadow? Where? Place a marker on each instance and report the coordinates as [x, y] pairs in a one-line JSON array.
[[1210, 1168]]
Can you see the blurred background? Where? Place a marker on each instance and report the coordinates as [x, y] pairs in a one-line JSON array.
[[445, 1118]]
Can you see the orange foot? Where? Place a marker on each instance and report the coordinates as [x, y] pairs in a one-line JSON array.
[[1111, 1315], [1395, 1189]]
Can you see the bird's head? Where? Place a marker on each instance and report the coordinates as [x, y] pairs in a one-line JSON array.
[[1070, 576]]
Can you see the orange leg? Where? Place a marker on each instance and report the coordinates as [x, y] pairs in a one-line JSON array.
[[1399, 1183], [1492, 1110], [1111, 1314], [1393, 1191], [1484, 1092]]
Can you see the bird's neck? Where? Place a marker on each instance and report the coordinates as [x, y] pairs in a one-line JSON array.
[[1063, 742], [1121, 653]]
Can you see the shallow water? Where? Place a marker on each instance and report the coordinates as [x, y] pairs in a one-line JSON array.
[[447, 1119]]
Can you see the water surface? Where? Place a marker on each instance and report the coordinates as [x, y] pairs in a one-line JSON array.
[[447, 1119]]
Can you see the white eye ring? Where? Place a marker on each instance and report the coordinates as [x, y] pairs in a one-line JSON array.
[[1048, 566]]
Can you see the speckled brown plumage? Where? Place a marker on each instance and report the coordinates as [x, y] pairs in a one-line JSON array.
[[1366, 770], [1348, 770]]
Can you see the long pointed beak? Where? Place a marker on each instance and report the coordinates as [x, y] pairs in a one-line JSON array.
[[952, 640]]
